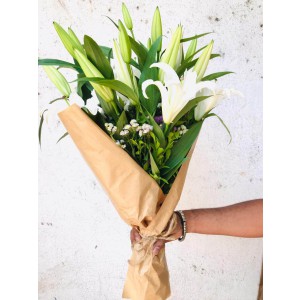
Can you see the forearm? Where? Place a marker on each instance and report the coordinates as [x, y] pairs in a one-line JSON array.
[[242, 219]]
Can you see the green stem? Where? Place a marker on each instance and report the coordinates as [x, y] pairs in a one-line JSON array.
[[166, 129], [66, 100]]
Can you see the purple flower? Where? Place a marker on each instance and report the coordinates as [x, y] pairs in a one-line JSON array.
[[158, 119]]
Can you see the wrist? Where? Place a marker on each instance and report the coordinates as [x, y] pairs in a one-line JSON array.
[[189, 221]]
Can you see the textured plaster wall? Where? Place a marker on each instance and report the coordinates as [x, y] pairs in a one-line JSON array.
[[83, 244]]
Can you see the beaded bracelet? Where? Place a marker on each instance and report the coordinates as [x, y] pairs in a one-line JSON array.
[[183, 224]]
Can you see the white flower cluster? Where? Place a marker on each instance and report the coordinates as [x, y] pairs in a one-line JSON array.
[[144, 129], [124, 132], [134, 123], [126, 129], [121, 143], [134, 126], [110, 127], [182, 129]]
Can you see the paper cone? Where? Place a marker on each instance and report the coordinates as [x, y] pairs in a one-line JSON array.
[[138, 199]]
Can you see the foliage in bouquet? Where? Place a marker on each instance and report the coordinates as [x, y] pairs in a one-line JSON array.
[[151, 101]]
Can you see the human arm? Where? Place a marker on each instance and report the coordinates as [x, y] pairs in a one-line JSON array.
[[243, 219]]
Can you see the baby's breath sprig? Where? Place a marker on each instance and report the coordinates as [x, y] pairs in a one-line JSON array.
[[111, 128]]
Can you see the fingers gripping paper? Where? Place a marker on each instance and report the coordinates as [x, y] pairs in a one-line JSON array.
[[138, 199]]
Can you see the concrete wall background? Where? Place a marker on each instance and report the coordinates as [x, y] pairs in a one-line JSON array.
[[83, 245]]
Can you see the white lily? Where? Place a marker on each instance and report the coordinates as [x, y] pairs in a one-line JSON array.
[[175, 94], [216, 97]]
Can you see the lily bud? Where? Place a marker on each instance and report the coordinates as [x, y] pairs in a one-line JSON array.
[[191, 50], [156, 30], [123, 72], [179, 57], [91, 71], [124, 42], [126, 17], [171, 54], [75, 40], [66, 39], [58, 80], [203, 60]]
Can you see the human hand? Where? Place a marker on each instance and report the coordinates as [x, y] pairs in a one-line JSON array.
[[159, 244]]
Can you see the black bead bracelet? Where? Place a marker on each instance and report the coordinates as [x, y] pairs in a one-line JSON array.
[[183, 224]]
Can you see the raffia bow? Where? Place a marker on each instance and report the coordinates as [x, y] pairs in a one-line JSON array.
[[142, 250]]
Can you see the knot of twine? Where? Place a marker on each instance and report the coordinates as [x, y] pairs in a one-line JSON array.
[[142, 255]]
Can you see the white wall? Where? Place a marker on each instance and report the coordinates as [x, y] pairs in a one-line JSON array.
[[84, 246]]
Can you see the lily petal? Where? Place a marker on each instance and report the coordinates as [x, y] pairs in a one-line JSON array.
[[170, 76], [160, 86]]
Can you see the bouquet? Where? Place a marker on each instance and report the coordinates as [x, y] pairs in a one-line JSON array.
[[135, 116]]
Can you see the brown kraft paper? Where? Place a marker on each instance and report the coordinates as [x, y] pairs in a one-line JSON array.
[[137, 198]]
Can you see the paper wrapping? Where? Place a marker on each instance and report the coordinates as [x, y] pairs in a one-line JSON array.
[[137, 198]]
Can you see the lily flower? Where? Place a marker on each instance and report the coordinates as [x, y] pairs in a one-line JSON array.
[[91, 71], [125, 46], [123, 71], [216, 97], [175, 94], [69, 39], [127, 17], [156, 29], [191, 50], [58, 80], [203, 60], [171, 54]]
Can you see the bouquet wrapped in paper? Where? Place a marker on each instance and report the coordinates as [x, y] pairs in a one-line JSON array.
[[135, 120]]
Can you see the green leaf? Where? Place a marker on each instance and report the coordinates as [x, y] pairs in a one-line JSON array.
[[122, 121], [57, 99], [187, 63], [190, 105], [194, 37], [222, 122], [153, 164], [63, 136], [172, 171], [214, 55], [40, 127], [136, 65], [139, 50], [150, 73], [215, 76], [97, 57], [182, 147], [156, 129], [106, 50], [59, 63], [112, 21], [84, 89], [115, 85]]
